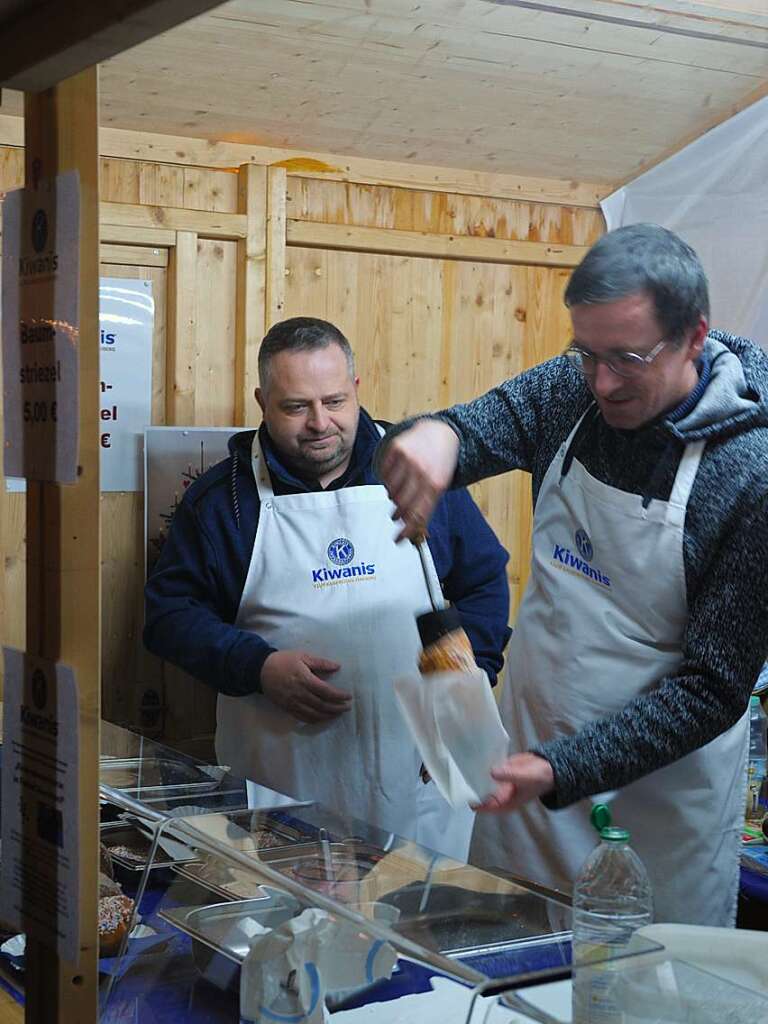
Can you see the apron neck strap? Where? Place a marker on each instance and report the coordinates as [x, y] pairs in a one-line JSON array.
[[686, 473], [261, 475], [575, 437]]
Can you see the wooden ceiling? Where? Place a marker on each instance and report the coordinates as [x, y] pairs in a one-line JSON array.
[[590, 90]]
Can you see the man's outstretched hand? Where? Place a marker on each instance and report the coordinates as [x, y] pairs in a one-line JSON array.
[[520, 778]]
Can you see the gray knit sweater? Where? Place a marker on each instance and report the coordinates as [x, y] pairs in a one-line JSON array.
[[521, 424]]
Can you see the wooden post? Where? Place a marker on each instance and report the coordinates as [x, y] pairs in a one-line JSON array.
[[251, 289], [181, 344], [63, 545], [277, 184]]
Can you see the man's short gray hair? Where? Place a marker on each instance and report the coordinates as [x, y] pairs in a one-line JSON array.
[[644, 258], [301, 334]]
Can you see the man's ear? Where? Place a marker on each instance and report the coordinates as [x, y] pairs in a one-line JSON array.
[[259, 398], [698, 338]]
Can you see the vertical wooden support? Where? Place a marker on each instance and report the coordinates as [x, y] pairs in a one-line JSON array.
[[277, 182], [181, 351], [63, 544], [251, 290]]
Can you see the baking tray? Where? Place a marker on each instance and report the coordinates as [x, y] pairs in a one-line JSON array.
[[157, 778], [221, 932], [458, 922], [116, 834]]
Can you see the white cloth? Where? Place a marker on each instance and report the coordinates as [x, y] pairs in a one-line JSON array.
[[456, 725], [602, 621], [327, 577]]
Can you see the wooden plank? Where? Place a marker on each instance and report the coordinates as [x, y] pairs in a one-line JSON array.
[[134, 255], [275, 247], [213, 362], [440, 213], [250, 313], [79, 39], [208, 189], [179, 149], [206, 223], [417, 243], [182, 330], [120, 234], [63, 554]]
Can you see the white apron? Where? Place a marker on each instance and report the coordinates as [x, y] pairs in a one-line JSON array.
[[327, 577], [602, 621]]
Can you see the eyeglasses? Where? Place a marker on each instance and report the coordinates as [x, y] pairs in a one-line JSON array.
[[623, 364]]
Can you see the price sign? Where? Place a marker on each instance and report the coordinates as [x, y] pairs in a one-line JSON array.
[[41, 228]]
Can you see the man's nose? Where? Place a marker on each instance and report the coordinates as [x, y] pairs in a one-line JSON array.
[[604, 381], [317, 417]]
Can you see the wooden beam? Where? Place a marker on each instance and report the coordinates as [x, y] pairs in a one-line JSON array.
[[64, 550], [134, 256], [122, 234], [48, 41], [251, 290], [276, 243], [204, 222], [181, 343], [175, 149], [418, 243]]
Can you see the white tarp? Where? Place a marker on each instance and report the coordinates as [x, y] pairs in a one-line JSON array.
[[714, 194]]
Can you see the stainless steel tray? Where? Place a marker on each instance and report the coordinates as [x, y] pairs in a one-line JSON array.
[[221, 933], [157, 778], [458, 922], [117, 834], [301, 861]]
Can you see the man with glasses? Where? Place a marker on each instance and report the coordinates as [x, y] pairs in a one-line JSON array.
[[645, 621]]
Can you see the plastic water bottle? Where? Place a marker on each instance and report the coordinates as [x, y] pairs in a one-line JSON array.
[[758, 757], [611, 900]]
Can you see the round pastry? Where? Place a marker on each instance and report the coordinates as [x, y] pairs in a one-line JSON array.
[[115, 913]]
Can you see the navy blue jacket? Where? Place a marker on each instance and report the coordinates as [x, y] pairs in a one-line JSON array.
[[194, 592]]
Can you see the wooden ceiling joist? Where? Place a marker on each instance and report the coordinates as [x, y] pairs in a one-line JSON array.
[[48, 41]]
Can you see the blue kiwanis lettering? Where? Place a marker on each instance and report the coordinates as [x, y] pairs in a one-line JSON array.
[[566, 557], [343, 573]]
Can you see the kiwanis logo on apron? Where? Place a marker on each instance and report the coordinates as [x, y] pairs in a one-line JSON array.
[[341, 553], [565, 560]]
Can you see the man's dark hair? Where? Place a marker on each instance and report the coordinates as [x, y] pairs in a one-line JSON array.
[[644, 258], [301, 334]]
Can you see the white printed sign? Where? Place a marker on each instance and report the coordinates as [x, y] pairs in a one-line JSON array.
[[126, 319], [41, 328], [40, 877]]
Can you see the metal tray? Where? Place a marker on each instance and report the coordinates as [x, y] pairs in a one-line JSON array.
[[459, 922], [121, 834], [156, 778], [300, 861], [221, 933]]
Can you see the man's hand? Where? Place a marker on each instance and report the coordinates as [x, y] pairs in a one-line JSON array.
[[418, 466], [288, 679], [520, 778]]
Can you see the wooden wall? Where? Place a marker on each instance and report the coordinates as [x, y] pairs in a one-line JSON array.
[[441, 295]]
